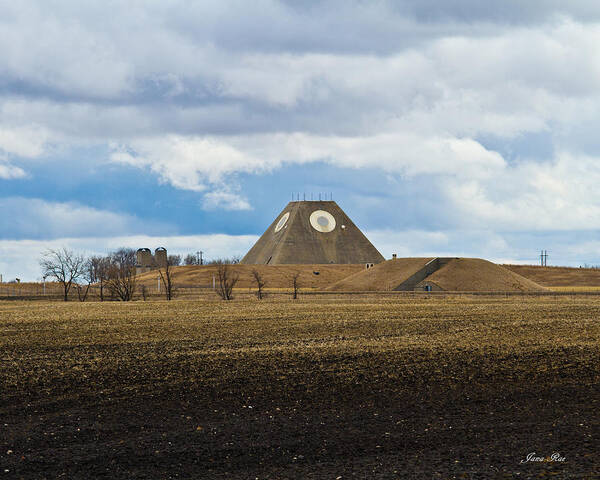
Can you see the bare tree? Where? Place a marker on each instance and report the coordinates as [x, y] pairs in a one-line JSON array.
[[89, 276], [225, 261], [121, 281], [190, 259], [227, 280], [174, 260], [166, 275], [100, 267], [63, 265], [295, 284], [260, 283]]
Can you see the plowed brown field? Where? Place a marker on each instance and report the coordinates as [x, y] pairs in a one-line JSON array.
[[360, 387]]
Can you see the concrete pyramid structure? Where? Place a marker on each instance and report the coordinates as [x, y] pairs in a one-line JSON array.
[[312, 232]]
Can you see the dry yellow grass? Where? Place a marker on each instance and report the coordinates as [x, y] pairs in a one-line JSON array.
[[275, 276], [383, 276], [478, 275], [460, 274], [575, 289], [558, 276]]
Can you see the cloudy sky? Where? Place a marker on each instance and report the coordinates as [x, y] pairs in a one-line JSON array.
[[459, 127]]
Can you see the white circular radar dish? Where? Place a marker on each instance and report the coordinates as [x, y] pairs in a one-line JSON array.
[[322, 221], [282, 221]]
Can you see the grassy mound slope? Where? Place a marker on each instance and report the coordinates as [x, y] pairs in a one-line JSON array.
[[383, 276], [477, 275]]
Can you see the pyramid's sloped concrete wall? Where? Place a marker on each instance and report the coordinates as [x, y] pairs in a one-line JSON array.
[[264, 249], [299, 243]]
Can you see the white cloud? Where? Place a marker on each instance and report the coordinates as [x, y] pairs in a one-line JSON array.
[[192, 162], [9, 172], [28, 142], [455, 82], [187, 162], [561, 195], [225, 201], [37, 218], [73, 58], [472, 242], [198, 94], [483, 189]]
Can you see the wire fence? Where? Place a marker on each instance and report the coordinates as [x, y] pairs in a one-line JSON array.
[[54, 291], [29, 289]]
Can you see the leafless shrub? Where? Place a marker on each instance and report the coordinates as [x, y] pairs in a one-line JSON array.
[[88, 276], [166, 275], [174, 260], [260, 283], [226, 281], [100, 267], [121, 281], [224, 261], [63, 265], [191, 259], [295, 284]]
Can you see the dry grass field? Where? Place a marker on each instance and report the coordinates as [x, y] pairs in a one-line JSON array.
[[576, 289], [279, 276], [478, 275], [323, 387], [464, 274], [559, 276]]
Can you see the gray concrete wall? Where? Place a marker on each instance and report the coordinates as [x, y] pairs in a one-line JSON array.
[[299, 243], [432, 266], [433, 287]]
